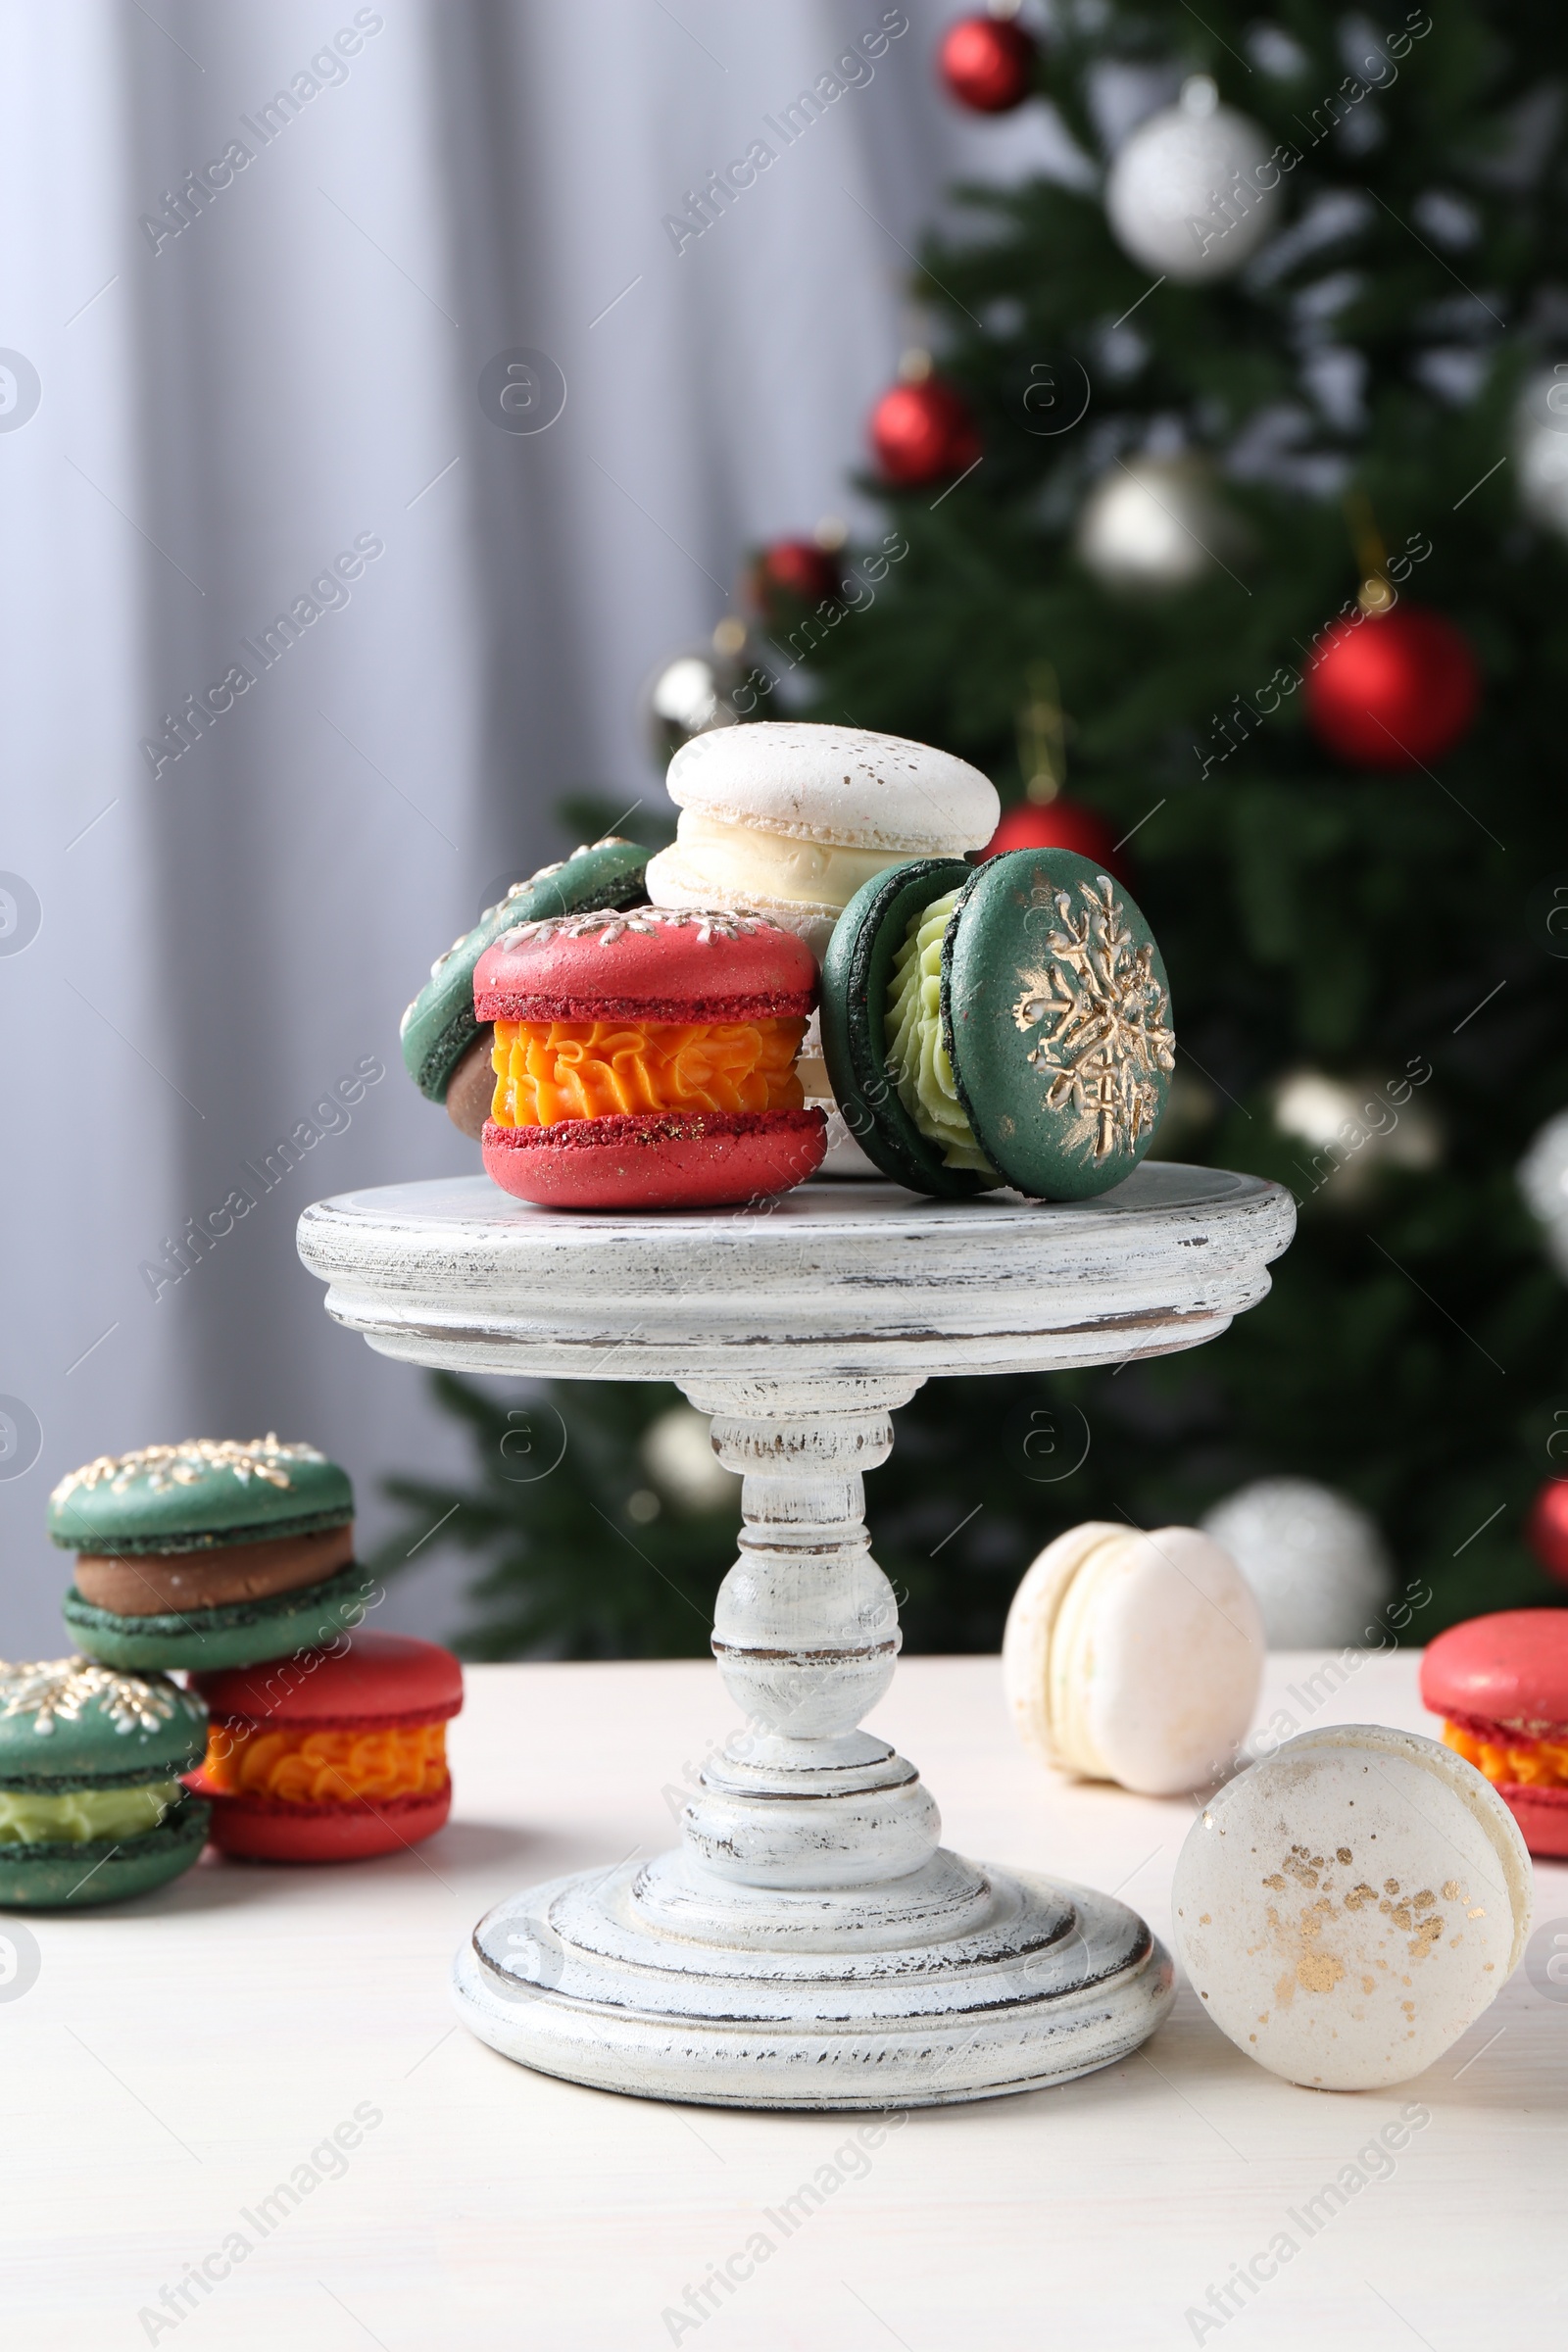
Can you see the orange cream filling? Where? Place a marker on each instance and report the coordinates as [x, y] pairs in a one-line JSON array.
[[547, 1072], [1535, 1763], [327, 1767]]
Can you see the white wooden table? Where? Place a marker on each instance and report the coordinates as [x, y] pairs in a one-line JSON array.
[[179, 2058]]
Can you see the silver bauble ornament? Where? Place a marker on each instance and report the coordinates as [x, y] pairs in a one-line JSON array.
[[1541, 448], [1543, 1181], [677, 1453], [1315, 1560], [1155, 523], [702, 687], [1189, 193]]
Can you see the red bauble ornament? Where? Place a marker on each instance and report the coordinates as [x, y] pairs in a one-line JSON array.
[[796, 567], [1058, 825], [988, 63], [1395, 689], [1547, 1528], [922, 432]]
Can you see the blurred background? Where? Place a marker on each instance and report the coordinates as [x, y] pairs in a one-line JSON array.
[[1202, 473]]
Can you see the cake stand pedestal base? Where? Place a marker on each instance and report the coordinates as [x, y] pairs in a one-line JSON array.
[[569, 1980], [809, 1944]]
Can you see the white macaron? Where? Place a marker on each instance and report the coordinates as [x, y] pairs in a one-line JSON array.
[[1134, 1657], [1347, 1909], [790, 819]]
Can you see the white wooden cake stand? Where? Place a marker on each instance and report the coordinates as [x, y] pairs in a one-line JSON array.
[[809, 1943]]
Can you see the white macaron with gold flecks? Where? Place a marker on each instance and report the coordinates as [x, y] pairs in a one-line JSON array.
[[790, 818], [1134, 1657], [1347, 1908]]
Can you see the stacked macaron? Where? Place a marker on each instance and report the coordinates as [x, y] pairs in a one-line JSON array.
[[333, 1754], [446, 1049], [208, 1553], [647, 1060], [93, 1806], [1502, 1683], [235, 1561]]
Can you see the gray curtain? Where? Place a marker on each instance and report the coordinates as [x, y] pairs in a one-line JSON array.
[[257, 259]]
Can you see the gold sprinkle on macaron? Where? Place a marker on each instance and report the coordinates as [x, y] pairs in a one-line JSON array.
[[182, 1465]]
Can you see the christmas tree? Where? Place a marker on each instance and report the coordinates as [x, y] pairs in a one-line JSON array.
[[1232, 499]]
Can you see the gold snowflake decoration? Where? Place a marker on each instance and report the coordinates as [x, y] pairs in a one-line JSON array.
[[61, 1688], [1104, 1021], [165, 1466]]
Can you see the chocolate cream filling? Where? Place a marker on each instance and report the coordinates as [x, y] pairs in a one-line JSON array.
[[472, 1087], [158, 1583]]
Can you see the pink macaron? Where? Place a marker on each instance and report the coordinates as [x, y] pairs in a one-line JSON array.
[[1501, 1684], [646, 1059], [330, 1756]]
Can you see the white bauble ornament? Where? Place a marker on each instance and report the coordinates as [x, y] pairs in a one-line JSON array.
[[1184, 195], [1353, 1128], [1543, 1181], [1153, 523], [1541, 448], [1315, 1560]]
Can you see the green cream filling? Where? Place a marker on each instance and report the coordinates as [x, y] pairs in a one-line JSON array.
[[82, 1814], [917, 1058]]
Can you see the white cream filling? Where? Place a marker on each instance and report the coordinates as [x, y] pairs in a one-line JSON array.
[[1070, 1675], [741, 863]]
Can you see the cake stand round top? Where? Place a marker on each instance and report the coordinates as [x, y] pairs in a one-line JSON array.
[[828, 1279]]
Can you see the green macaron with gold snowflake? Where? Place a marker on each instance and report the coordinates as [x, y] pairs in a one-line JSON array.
[[93, 1807], [1006, 1024]]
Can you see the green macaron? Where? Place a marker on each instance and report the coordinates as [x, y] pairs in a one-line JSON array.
[[1004, 1024], [93, 1805], [439, 1027], [237, 1634], [212, 1552], [204, 1492]]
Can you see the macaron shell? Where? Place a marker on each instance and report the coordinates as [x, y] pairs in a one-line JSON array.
[[199, 1494], [72, 1722], [1156, 1661], [251, 1831], [837, 784], [1349, 1908], [652, 962], [1473, 1791], [681, 1160], [367, 1678], [1541, 1815], [854, 992], [237, 1635], [61, 1875], [1031, 1622], [1057, 1017], [1511, 1669]]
